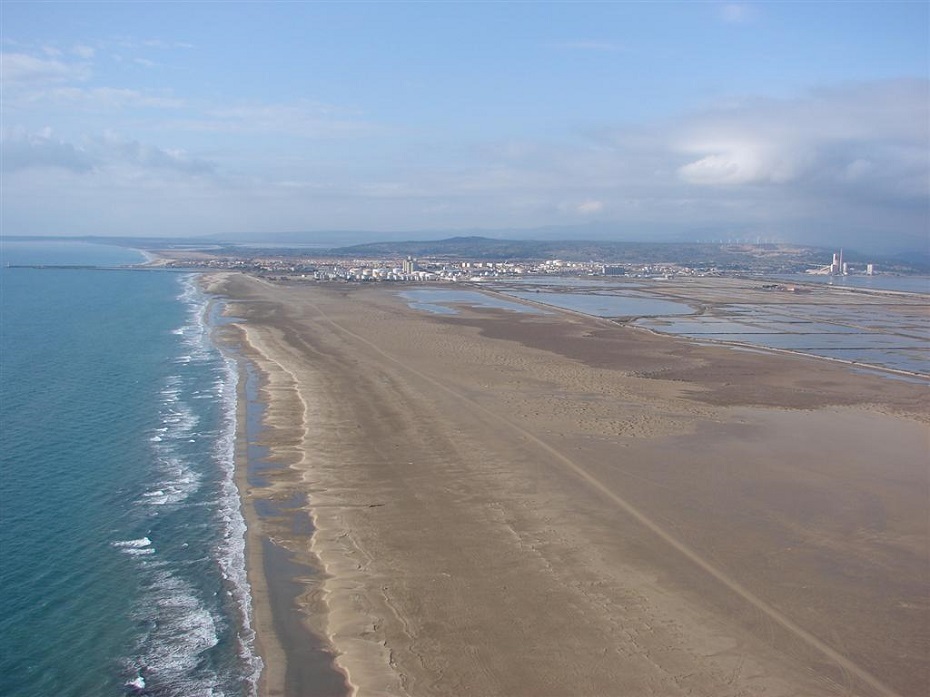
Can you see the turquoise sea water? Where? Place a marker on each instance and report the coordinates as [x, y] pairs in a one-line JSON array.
[[121, 540]]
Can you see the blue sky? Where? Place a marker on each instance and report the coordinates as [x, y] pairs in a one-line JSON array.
[[791, 121]]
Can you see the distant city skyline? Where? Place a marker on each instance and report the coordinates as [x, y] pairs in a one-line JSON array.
[[803, 122]]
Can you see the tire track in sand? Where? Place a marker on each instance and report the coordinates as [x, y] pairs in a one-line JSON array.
[[841, 661]]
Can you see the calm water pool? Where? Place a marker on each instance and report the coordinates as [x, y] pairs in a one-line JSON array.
[[607, 305], [437, 301]]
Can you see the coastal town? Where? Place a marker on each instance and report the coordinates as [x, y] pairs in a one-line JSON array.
[[479, 264], [413, 270]]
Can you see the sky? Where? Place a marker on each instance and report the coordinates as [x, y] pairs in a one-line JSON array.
[[804, 122]]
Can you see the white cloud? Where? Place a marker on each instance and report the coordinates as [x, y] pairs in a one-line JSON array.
[[22, 69], [165, 45], [20, 150], [23, 150], [851, 163], [874, 135], [847, 161], [131, 42], [104, 99], [858, 169], [84, 51], [590, 206], [33, 83], [302, 118], [743, 163], [591, 45], [735, 13], [574, 208], [112, 148]]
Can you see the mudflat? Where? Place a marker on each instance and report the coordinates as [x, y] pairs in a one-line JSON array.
[[552, 504]]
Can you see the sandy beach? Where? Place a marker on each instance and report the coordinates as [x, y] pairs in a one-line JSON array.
[[551, 504]]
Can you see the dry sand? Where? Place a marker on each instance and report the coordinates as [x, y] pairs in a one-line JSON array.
[[555, 505]]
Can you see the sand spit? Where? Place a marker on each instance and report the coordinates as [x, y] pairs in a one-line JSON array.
[[554, 505]]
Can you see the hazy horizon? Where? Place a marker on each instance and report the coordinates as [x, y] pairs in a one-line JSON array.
[[803, 123]]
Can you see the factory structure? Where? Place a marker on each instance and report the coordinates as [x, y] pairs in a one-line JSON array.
[[409, 265], [840, 268]]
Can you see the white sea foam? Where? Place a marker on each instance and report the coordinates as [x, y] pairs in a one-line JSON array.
[[196, 335], [133, 544], [181, 629], [136, 548], [176, 479], [185, 620], [232, 547], [181, 417]]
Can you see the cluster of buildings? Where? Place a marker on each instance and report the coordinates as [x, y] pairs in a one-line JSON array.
[[414, 270], [411, 269]]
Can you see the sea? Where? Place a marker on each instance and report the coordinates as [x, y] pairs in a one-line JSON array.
[[122, 560]]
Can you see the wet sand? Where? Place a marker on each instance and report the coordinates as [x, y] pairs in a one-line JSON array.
[[552, 504]]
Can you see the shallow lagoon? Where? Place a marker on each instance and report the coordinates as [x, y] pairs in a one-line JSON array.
[[859, 334], [604, 305], [437, 301], [870, 329], [594, 282], [867, 330], [900, 284]]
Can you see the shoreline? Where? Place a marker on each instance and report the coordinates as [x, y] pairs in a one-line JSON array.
[[391, 609], [295, 660], [265, 640], [267, 643]]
